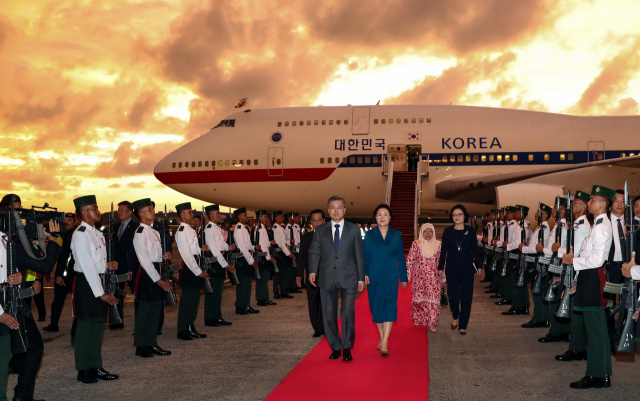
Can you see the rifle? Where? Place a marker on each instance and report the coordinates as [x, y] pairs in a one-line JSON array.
[[111, 280], [496, 249], [16, 294], [540, 266], [628, 290], [292, 246], [568, 279], [555, 264], [506, 256], [204, 260], [272, 248], [166, 268], [485, 245], [257, 254], [231, 258], [522, 261]]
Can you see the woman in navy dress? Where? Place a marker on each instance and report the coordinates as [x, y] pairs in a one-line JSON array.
[[385, 265], [459, 251]]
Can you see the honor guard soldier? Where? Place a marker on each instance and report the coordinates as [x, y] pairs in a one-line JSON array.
[[589, 293], [520, 295], [215, 241], [283, 257], [90, 302], [582, 229], [616, 256], [260, 239], [485, 240], [149, 288], [506, 286], [245, 264], [497, 281], [292, 235], [191, 276], [168, 242], [539, 318]]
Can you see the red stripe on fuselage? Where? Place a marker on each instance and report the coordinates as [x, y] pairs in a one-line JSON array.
[[262, 175]]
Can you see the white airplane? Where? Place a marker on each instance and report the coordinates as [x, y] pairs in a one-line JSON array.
[[294, 159]]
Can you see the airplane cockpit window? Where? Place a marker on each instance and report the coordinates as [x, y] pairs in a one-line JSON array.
[[226, 123]]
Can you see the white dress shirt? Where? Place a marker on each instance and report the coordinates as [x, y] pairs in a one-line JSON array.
[[214, 239], [146, 242], [552, 239], [580, 235], [265, 244], [515, 236], [188, 246], [617, 256], [596, 249], [90, 253], [533, 240], [243, 242], [280, 238]]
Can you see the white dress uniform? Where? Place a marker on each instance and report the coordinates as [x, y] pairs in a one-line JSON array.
[[215, 240], [90, 253], [533, 240], [243, 242], [552, 239], [280, 237], [146, 242], [188, 246]]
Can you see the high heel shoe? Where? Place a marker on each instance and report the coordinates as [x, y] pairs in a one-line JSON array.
[[379, 346], [384, 353], [463, 332]]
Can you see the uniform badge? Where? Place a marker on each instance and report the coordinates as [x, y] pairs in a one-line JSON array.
[[82, 229], [598, 189], [181, 228], [140, 230], [599, 221]]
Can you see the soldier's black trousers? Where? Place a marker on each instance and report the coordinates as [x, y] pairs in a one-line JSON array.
[[28, 362]]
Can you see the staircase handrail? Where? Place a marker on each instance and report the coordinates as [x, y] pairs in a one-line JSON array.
[[416, 209], [387, 199]]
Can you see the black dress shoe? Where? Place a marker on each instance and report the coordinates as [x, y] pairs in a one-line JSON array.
[[262, 303], [318, 334], [346, 355], [144, 352], [270, 302], [51, 328], [532, 325], [549, 339], [159, 351], [102, 374], [194, 334], [277, 296], [592, 382], [184, 335], [517, 311], [335, 354], [503, 302], [223, 322], [211, 323], [251, 310], [241, 311], [286, 296], [86, 377], [116, 326], [497, 295], [571, 356]]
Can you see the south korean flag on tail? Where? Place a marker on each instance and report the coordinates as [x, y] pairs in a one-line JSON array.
[[413, 136]]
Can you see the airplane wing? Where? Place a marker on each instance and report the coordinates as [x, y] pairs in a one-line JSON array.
[[481, 188]]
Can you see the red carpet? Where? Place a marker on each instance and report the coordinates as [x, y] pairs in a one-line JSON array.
[[403, 375]]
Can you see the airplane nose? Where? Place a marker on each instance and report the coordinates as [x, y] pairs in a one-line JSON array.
[[159, 169]]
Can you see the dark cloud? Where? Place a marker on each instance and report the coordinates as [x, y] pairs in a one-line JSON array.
[[26, 113], [124, 160], [4, 30], [143, 106]]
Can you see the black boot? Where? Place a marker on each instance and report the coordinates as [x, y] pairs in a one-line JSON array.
[[86, 377]]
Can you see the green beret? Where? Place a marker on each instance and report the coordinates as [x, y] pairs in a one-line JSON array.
[[260, 213], [287, 215], [211, 208], [238, 212], [296, 214], [603, 191], [510, 208], [85, 200], [277, 213], [583, 196], [546, 208], [141, 203], [524, 208], [563, 201], [183, 206]]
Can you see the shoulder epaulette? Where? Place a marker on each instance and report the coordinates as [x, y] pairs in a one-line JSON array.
[[82, 228], [600, 220], [581, 222], [140, 229], [209, 225], [181, 228]]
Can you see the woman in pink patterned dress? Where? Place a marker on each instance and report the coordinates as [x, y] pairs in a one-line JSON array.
[[422, 265]]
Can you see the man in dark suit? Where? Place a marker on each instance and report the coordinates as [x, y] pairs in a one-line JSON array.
[[123, 251], [336, 257], [313, 293]]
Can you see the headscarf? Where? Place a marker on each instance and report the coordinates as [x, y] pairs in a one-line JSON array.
[[428, 248]]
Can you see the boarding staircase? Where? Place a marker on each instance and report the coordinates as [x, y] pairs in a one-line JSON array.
[[403, 195]]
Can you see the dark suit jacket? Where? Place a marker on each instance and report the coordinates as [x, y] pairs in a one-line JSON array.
[[159, 227], [123, 251], [303, 256], [64, 263], [344, 267]]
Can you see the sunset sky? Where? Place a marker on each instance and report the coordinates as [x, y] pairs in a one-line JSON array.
[[94, 93]]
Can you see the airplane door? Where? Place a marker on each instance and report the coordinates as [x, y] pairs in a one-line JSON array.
[[360, 121], [596, 151], [275, 162]]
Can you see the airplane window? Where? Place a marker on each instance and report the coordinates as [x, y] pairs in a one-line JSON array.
[[329, 160], [173, 165], [562, 157], [206, 164], [530, 158], [352, 160], [293, 123], [346, 122], [200, 164], [279, 123], [507, 158], [467, 158], [621, 155], [301, 123], [286, 123], [234, 163], [484, 158], [600, 156], [240, 162], [421, 120], [444, 159], [391, 121], [322, 160], [255, 162], [308, 122], [179, 164], [515, 158], [398, 121], [231, 123], [338, 122], [570, 156], [375, 159], [324, 122], [315, 122], [330, 122], [475, 158], [359, 160], [375, 121], [413, 121], [406, 121], [452, 158], [428, 121], [384, 121], [220, 163], [213, 163], [367, 160], [248, 162], [491, 158], [460, 158], [337, 160], [278, 162], [499, 158], [186, 164], [193, 164], [546, 157], [344, 160], [226, 163]]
